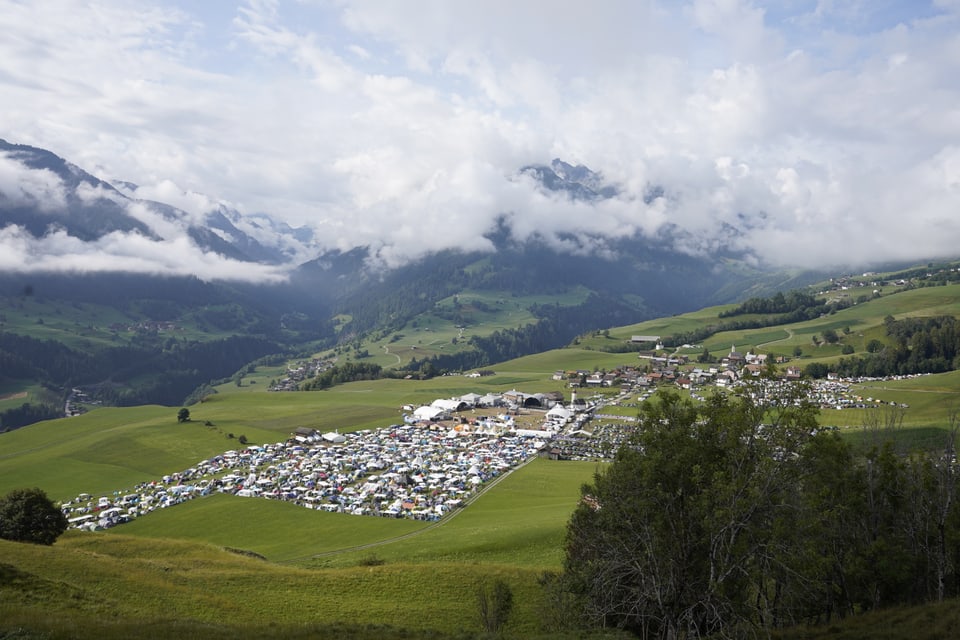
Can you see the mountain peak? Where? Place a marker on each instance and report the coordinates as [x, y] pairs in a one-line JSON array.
[[50, 193], [578, 182]]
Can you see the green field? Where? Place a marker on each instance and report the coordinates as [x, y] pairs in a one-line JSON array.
[[15, 394], [86, 326], [121, 587], [453, 321], [322, 574]]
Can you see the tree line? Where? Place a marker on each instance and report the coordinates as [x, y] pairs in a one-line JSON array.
[[915, 345], [779, 303], [555, 327], [342, 373], [779, 309], [152, 373], [740, 517]]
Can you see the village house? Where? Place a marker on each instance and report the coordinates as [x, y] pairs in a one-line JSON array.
[[734, 358], [726, 378], [752, 369]]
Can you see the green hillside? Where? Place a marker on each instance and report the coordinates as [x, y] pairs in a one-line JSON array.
[[170, 572]]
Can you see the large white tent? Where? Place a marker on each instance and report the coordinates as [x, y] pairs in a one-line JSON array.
[[428, 413]]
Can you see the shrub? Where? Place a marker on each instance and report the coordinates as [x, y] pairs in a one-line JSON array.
[[28, 515], [494, 605]]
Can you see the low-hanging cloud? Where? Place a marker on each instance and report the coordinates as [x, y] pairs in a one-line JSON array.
[[802, 134], [58, 251], [21, 186]]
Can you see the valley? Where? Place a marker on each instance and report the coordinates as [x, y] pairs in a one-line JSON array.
[[513, 531], [460, 321]]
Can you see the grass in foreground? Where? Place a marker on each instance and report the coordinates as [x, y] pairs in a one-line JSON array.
[[108, 586], [112, 587]]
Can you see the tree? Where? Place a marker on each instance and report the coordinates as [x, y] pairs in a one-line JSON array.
[[676, 537], [28, 515], [816, 370], [183, 415]]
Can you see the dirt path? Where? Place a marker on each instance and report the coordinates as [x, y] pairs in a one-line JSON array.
[[789, 336], [386, 350], [14, 396]]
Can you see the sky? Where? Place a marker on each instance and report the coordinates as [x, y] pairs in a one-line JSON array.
[[807, 133]]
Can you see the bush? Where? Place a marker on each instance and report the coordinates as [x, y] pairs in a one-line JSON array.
[[494, 605], [28, 515], [372, 560]]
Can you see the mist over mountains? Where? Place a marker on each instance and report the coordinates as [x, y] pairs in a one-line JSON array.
[[59, 223], [84, 249], [56, 217]]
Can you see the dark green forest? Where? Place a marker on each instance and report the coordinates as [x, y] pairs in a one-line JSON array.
[[132, 375]]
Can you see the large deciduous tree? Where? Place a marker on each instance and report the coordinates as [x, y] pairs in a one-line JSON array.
[[28, 515], [739, 516], [678, 536]]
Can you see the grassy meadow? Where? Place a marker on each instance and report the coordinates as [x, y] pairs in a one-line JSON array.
[[224, 566], [86, 326], [122, 586], [452, 322], [14, 394]]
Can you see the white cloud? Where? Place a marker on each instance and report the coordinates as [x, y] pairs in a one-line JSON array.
[[22, 186], [128, 252], [167, 192], [402, 125]]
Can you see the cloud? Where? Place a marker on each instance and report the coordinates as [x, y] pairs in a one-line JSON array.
[[21, 186], [123, 252], [197, 205], [813, 129]]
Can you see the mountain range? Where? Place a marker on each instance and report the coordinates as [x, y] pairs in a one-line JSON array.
[[249, 286], [44, 192]]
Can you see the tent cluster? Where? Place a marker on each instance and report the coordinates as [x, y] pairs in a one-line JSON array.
[[402, 471]]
